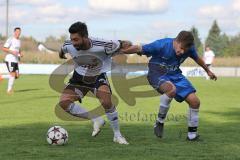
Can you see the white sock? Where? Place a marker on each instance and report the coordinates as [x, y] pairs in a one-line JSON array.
[[10, 83], [193, 120], [193, 117], [192, 135], [112, 116], [164, 107], [5, 76], [97, 119], [78, 111]]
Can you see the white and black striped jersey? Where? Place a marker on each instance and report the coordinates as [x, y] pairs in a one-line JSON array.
[[12, 44], [94, 61]]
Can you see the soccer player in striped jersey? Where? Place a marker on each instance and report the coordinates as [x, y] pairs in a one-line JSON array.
[[92, 59], [12, 48]]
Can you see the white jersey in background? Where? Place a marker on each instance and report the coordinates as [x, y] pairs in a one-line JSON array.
[[95, 60], [208, 57], [12, 44]]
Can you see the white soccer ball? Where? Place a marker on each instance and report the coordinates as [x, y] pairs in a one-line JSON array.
[[57, 135]]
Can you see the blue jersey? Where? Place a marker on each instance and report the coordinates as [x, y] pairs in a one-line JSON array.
[[162, 53]]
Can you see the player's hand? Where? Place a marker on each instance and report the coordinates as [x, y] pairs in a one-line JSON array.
[[134, 49], [126, 44], [62, 55], [212, 75], [20, 55], [16, 53]]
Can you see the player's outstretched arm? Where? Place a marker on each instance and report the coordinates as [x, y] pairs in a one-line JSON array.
[[134, 49], [117, 46], [201, 63]]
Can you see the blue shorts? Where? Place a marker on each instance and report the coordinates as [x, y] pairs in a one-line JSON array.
[[183, 86]]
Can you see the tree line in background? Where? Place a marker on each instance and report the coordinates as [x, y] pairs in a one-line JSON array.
[[220, 43], [29, 44]]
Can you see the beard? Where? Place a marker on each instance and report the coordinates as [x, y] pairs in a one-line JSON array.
[[79, 47], [82, 46]]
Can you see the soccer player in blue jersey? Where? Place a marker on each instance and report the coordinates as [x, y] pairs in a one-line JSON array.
[[165, 76]]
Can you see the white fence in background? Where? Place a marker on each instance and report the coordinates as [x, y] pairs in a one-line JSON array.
[[187, 71]]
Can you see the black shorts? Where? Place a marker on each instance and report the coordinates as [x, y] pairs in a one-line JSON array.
[[90, 83], [12, 66]]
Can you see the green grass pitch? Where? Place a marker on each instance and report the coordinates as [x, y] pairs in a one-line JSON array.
[[26, 116]]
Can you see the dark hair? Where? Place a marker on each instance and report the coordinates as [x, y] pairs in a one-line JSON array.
[[186, 39], [17, 28], [80, 28], [207, 46]]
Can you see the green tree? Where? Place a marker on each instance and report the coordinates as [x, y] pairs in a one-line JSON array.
[[28, 43], [52, 43], [223, 43], [233, 47], [1, 37], [197, 41], [50, 39], [62, 38], [214, 38]]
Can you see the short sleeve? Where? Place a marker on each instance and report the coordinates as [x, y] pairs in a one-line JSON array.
[[8, 43], [64, 49], [152, 48], [112, 46], [64, 46], [193, 53]]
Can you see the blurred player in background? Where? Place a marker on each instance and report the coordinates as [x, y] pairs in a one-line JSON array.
[[12, 48], [92, 59], [165, 76], [208, 58]]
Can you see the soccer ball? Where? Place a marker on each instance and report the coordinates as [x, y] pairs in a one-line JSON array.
[[57, 135]]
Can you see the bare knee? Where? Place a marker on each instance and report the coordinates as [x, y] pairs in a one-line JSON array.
[[195, 104], [64, 104], [68, 96], [169, 89], [107, 104], [104, 96], [193, 101], [171, 93]]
